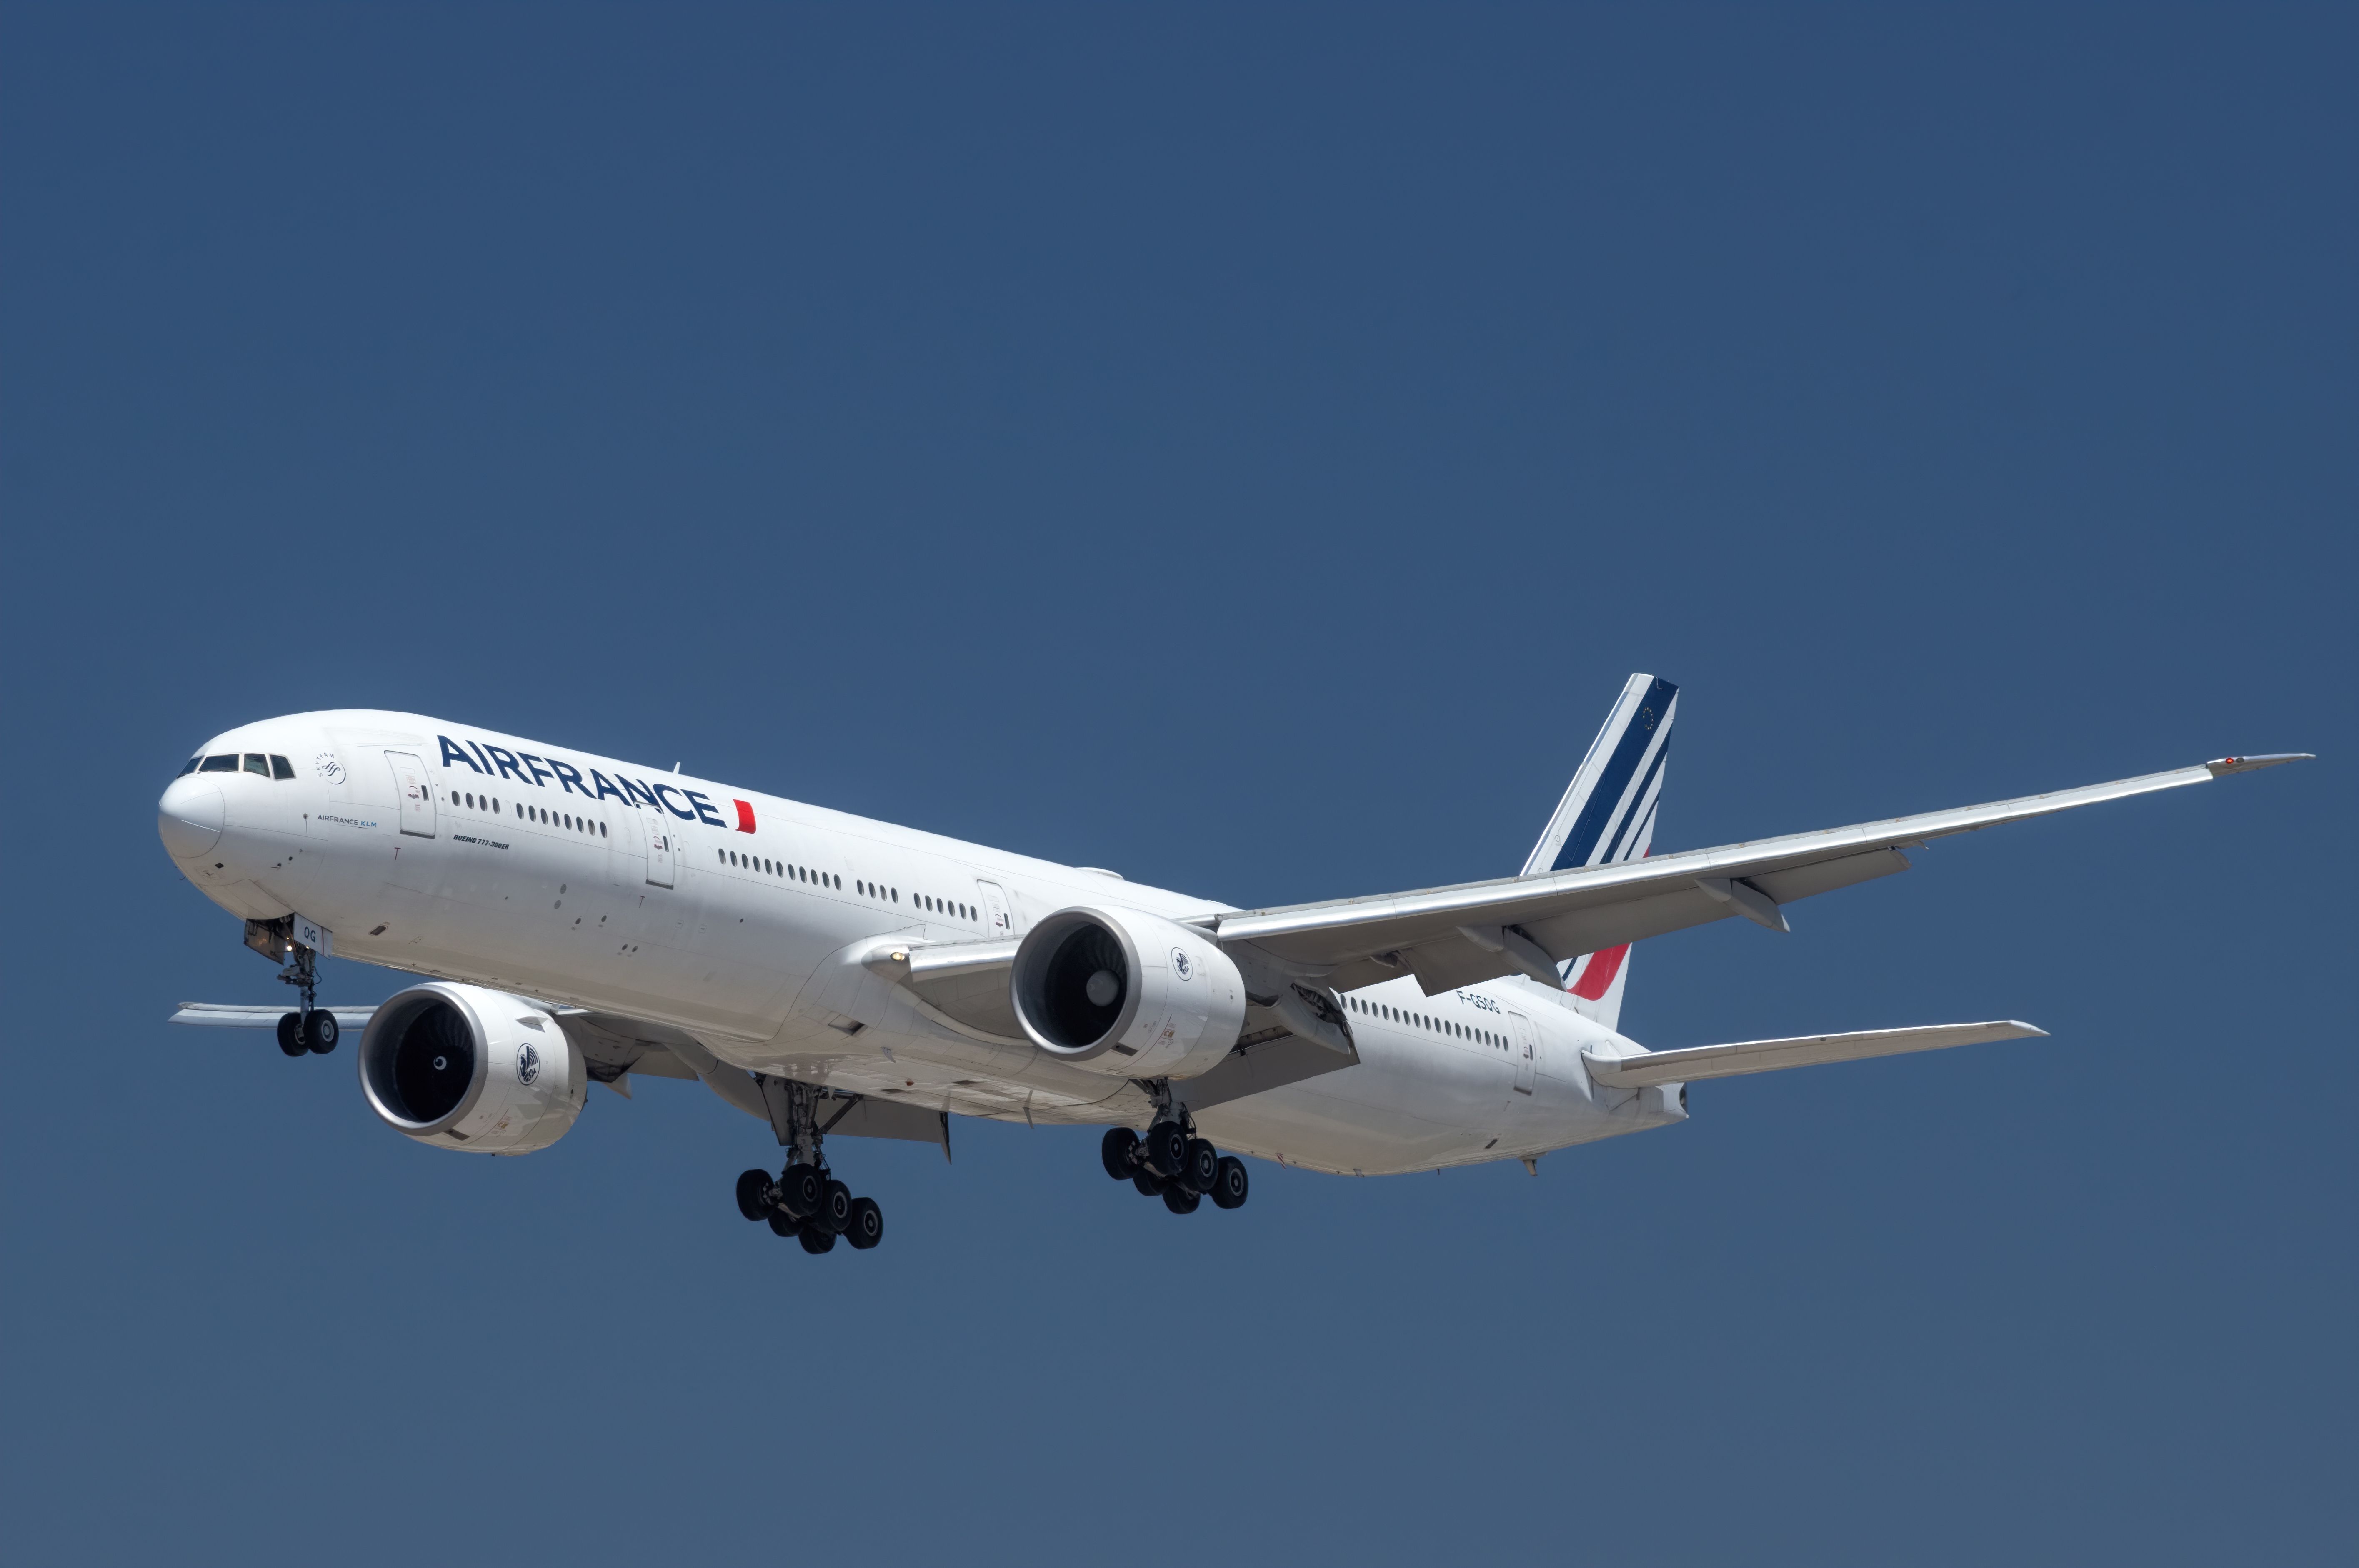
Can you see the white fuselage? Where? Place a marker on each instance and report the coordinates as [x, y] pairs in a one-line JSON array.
[[543, 871]]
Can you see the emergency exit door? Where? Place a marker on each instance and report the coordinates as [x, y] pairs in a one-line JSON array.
[[663, 848], [998, 918], [413, 793], [1527, 1052]]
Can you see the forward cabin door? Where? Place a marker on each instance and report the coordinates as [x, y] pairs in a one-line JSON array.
[[663, 848], [413, 792], [997, 918], [1527, 1052]]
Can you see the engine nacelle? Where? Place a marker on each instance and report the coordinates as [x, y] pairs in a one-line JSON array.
[[465, 1067], [1125, 993]]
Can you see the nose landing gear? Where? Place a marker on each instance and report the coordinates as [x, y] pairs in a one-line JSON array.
[[311, 1029], [805, 1201]]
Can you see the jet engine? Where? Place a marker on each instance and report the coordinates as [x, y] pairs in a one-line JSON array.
[[1122, 991], [464, 1067]]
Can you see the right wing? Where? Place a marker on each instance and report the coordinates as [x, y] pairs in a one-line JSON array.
[[1456, 937], [1698, 1062]]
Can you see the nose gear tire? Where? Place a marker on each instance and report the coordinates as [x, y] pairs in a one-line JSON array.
[[290, 1034]]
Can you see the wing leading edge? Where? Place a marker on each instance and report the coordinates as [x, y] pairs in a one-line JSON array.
[[1455, 936]]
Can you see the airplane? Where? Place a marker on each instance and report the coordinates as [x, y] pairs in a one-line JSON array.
[[580, 920]]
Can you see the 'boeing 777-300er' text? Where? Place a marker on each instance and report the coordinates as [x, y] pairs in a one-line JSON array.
[[584, 920]]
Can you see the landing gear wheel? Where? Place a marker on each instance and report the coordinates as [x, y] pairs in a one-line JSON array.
[[834, 1209], [1165, 1150], [783, 1224], [290, 1034], [1203, 1167], [1148, 1184], [319, 1031], [753, 1195], [1229, 1186], [1180, 1200], [867, 1225], [1120, 1152], [802, 1190], [818, 1240]]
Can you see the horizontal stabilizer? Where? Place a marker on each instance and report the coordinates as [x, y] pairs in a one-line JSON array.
[[1699, 1061], [231, 1015]]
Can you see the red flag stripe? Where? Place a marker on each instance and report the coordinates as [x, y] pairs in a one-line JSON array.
[[1598, 978]]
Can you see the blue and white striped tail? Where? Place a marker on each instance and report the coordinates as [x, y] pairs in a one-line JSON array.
[[1607, 817]]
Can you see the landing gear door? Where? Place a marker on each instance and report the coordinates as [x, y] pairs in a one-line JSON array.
[[1527, 1052], [998, 916], [663, 848], [414, 793]]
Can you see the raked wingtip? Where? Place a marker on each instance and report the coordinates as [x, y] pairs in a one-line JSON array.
[[2222, 767]]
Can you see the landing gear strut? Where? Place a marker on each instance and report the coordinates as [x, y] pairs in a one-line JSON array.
[[1169, 1162], [311, 1029], [805, 1201]]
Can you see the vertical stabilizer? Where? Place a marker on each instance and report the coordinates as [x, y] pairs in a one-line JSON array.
[[1607, 816]]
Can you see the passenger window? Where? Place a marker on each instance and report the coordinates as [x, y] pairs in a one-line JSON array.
[[255, 762], [219, 764], [281, 768], [188, 767], [602, 830]]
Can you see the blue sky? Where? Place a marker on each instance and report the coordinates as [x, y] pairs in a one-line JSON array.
[[1245, 448]]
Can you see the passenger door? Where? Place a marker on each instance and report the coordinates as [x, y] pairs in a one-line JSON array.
[[998, 916], [413, 793], [1527, 1052], [663, 847]]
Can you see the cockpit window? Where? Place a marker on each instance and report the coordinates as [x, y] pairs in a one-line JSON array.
[[255, 762], [219, 764], [189, 767], [281, 768]]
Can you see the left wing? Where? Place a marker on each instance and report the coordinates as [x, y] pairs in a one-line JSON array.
[[1698, 1062], [1455, 936]]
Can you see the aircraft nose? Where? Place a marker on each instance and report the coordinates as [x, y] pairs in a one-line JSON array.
[[188, 818]]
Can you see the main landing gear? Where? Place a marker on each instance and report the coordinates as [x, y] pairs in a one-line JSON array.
[[805, 1201], [1170, 1162]]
